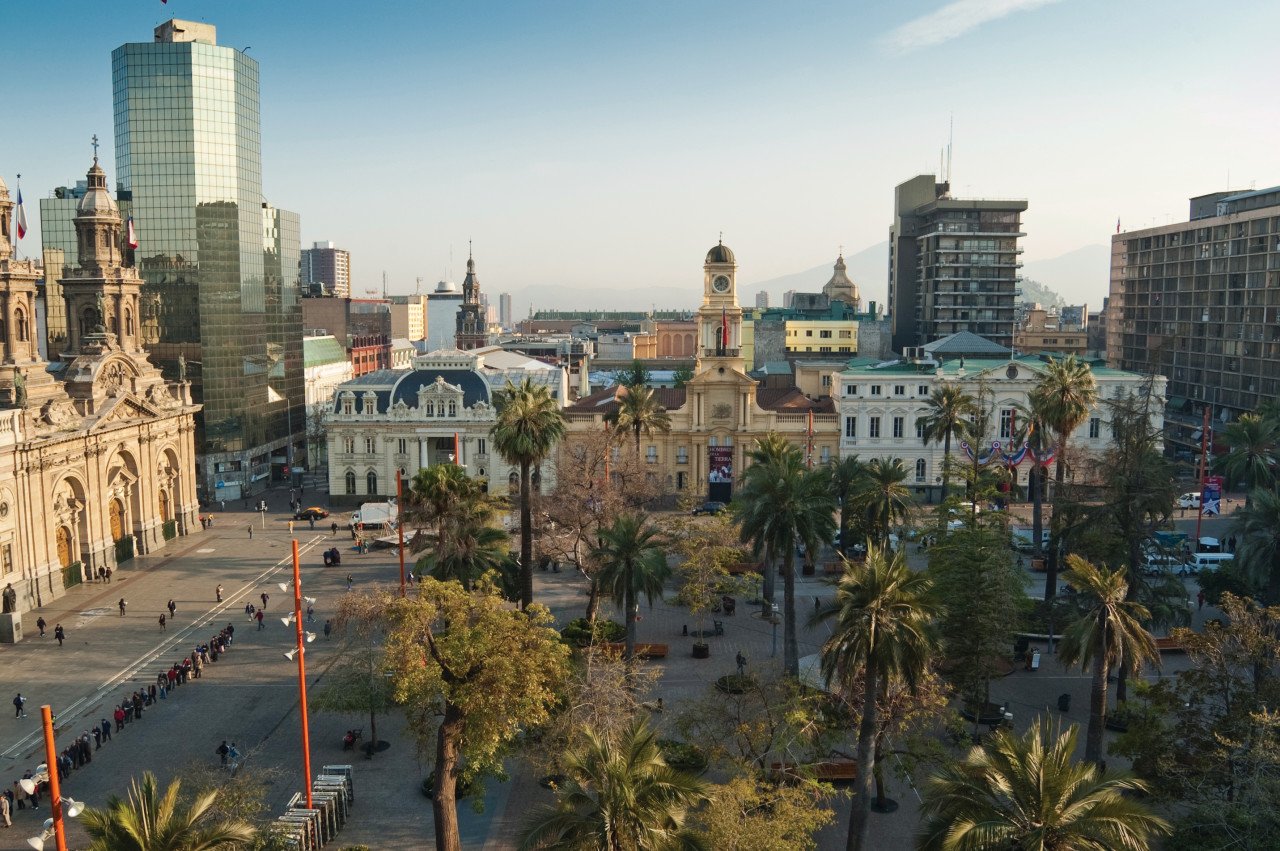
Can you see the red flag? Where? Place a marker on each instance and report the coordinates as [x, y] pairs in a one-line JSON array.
[[131, 238], [724, 329]]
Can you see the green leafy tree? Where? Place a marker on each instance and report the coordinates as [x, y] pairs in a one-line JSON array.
[[632, 564], [947, 416], [846, 480], [639, 413], [357, 682], [151, 820], [979, 591], [1257, 526], [1110, 633], [748, 814], [635, 375], [1064, 395], [529, 425], [708, 548], [471, 674], [883, 497], [780, 506], [618, 796], [471, 548], [1025, 792], [682, 376], [1252, 445], [880, 632], [438, 493]]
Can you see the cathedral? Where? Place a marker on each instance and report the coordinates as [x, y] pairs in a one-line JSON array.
[[97, 453]]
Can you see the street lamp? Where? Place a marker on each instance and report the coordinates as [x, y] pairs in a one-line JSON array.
[[301, 654], [53, 827]]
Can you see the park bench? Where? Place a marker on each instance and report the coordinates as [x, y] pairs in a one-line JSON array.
[[1169, 644], [644, 650], [829, 770]]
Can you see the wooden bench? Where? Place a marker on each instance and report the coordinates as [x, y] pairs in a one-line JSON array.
[[1169, 644], [644, 650], [832, 770]]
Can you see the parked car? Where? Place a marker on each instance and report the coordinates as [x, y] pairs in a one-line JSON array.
[[1189, 500], [315, 512], [711, 507]]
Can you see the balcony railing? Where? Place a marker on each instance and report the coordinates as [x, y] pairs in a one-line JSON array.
[[716, 352]]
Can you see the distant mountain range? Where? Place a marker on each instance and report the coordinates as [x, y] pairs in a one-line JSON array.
[[1078, 276]]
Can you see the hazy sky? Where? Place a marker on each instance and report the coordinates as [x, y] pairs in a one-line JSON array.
[[607, 144]]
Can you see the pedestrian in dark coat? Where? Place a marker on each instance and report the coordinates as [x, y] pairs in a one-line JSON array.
[[106, 730], [59, 634], [40, 625]]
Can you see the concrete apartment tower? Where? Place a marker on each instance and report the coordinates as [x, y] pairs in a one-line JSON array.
[[219, 265], [953, 264], [327, 268], [504, 311]]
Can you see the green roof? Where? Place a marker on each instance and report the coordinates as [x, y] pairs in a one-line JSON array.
[[319, 351]]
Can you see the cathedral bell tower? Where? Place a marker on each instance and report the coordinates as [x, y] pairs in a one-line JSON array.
[[720, 317], [23, 379], [472, 327]]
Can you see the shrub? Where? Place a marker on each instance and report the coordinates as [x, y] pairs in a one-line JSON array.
[[579, 632], [683, 756]]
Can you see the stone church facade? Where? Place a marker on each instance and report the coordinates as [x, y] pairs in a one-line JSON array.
[[97, 449]]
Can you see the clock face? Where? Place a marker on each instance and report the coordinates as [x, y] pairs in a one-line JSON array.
[[720, 284]]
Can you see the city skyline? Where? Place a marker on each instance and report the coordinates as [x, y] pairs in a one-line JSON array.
[[593, 133]]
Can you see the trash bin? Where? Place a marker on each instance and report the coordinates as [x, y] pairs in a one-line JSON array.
[[1064, 702]]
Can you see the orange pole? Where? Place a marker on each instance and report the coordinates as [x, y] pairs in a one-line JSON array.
[[302, 675], [400, 526], [55, 791], [457, 451]]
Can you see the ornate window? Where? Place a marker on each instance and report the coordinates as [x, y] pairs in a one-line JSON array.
[[371, 481], [431, 409], [453, 409], [371, 444], [921, 469], [348, 443], [20, 320], [351, 483]]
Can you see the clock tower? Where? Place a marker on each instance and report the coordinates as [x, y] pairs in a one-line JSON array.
[[720, 317]]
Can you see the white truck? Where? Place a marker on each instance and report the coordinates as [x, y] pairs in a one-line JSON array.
[[1024, 538], [375, 516]]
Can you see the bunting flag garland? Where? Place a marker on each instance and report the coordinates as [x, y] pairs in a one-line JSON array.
[[1010, 456]]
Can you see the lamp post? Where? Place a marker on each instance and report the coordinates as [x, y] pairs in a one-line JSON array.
[[400, 525], [302, 674], [55, 791]]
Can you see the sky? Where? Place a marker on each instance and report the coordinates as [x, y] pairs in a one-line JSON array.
[[608, 145]]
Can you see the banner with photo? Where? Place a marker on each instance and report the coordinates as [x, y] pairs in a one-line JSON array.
[[720, 468]]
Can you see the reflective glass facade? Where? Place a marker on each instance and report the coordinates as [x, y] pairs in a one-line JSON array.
[[220, 266]]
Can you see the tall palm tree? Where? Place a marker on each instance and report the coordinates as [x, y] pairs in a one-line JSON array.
[[529, 426], [618, 796], [632, 563], [780, 506], [881, 613], [639, 412], [153, 821], [1252, 444], [846, 479], [1065, 394], [1258, 552], [1024, 792], [1108, 634], [469, 548], [883, 496], [434, 492], [949, 409], [1033, 428]]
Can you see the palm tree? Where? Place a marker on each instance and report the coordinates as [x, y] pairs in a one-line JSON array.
[[881, 631], [780, 506], [151, 821], [1064, 395], [618, 796], [883, 496], [529, 425], [470, 548], [949, 409], [846, 478], [1251, 456], [1034, 429], [632, 563], [1258, 552], [639, 412], [1109, 633], [1024, 792]]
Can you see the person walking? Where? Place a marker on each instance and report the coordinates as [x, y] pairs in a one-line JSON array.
[[218, 592], [290, 527], [333, 527], [348, 581], [742, 663], [162, 623], [108, 576], [328, 628], [1200, 600], [173, 608], [97, 738], [4, 810], [106, 729], [40, 625], [59, 634], [234, 756], [311, 613], [121, 604], [265, 598], [18, 703], [258, 616], [312, 521], [223, 752], [250, 531]]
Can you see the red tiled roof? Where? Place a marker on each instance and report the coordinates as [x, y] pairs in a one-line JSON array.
[[606, 400], [792, 401]]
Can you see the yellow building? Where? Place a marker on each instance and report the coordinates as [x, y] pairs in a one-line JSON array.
[[718, 416], [1045, 332], [836, 336]]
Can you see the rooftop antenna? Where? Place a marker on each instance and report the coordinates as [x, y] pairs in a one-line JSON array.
[[417, 287], [951, 133], [384, 283]]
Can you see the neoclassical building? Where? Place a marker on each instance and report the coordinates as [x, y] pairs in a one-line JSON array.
[[439, 412], [718, 416], [97, 456]]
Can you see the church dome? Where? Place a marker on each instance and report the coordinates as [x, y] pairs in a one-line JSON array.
[[97, 199], [720, 253]]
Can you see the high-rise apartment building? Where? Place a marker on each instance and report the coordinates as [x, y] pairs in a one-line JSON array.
[[762, 300], [1199, 302], [220, 266], [953, 264], [326, 269], [504, 311], [787, 297]]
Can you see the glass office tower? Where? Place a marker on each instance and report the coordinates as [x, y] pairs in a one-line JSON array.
[[220, 266]]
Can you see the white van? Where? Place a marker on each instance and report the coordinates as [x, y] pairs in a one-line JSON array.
[[1210, 561]]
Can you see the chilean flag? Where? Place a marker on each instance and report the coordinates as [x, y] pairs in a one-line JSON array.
[[131, 238], [724, 329], [21, 219]]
